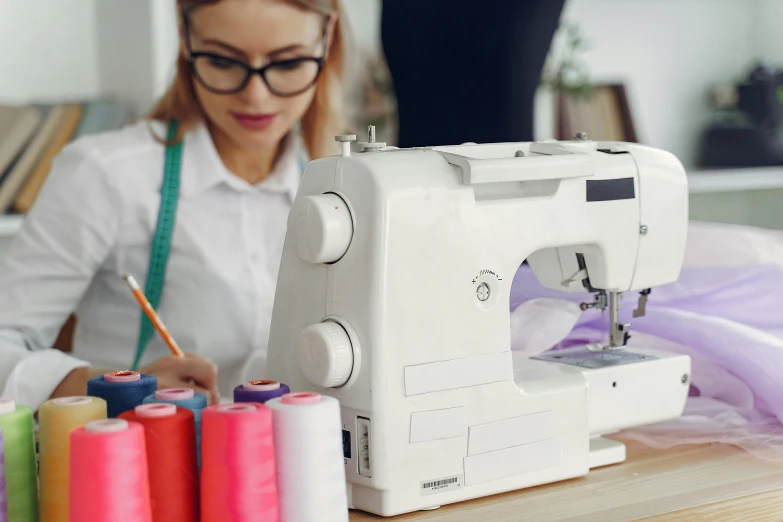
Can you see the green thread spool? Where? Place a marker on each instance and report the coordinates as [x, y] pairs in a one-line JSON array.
[[21, 475]]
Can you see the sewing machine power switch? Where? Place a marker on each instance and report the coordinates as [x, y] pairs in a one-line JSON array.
[[323, 228], [363, 442]]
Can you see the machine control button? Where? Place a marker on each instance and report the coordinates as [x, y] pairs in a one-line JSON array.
[[323, 228], [482, 292], [325, 355]]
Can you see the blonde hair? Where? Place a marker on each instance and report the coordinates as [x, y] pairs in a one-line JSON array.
[[322, 120]]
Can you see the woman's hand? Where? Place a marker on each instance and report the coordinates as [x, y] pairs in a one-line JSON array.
[[191, 371]]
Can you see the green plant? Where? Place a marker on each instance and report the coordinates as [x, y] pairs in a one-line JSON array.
[[565, 71]]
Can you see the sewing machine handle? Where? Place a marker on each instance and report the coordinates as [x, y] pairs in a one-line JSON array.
[[550, 161]]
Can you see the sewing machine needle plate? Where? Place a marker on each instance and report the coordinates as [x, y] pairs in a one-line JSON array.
[[586, 358]]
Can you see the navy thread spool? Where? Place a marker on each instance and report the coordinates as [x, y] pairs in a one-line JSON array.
[[122, 390], [183, 398], [259, 391]]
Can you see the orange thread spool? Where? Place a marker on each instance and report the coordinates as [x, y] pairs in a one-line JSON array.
[[171, 459]]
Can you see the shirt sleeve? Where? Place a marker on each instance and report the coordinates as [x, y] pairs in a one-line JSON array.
[[64, 240]]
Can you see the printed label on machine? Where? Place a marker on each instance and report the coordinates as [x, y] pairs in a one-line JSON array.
[[430, 487], [586, 358]]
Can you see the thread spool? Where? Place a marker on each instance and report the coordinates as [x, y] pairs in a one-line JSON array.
[[259, 391], [183, 398], [122, 391], [238, 464], [3, 495], [108, 472], [21, 479], [56, 419], [309, 456], [171, 460]]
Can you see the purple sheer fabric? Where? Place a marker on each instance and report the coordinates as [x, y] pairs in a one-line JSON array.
[[728, 317]]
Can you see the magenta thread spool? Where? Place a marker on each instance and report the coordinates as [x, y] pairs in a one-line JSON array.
[[259, 391]]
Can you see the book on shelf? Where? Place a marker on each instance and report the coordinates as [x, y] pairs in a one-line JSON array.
[[32, 135]]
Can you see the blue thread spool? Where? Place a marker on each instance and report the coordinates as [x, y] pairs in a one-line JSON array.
[[122, 390], [183, 398], [259, 391]]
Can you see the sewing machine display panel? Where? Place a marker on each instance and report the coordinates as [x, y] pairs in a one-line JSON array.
[[393, 297]]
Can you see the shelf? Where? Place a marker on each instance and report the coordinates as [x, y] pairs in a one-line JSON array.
[[735, 180]]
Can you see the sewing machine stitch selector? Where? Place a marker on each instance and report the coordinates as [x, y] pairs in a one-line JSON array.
[[482, 292]]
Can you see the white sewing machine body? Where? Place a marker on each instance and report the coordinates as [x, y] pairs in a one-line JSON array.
[[406, 322]]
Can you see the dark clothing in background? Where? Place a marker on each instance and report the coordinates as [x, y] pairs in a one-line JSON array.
[[466, 70]]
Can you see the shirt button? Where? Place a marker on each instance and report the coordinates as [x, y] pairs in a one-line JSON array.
[[255, 257]]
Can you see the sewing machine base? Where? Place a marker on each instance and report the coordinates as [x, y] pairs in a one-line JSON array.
[[547, 428]]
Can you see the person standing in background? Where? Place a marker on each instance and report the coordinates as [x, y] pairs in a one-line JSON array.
[[466, 71]]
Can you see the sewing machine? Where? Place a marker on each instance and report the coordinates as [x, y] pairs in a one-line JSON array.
[[393, 297]]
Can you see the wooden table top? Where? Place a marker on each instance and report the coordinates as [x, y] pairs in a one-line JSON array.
[[706, 482]]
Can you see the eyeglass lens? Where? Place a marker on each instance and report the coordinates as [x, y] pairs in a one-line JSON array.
[[284, 77]]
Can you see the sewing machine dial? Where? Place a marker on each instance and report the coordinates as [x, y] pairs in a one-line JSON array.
[[323, 228], [326, 356]]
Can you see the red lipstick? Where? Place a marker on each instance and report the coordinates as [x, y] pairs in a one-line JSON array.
[[254, 121]]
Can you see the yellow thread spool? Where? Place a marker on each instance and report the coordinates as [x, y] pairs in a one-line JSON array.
[[56, 419]]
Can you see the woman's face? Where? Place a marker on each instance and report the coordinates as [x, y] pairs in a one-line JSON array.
[[255, 32]]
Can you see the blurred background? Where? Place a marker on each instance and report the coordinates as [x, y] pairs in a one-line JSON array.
[[698, 78]]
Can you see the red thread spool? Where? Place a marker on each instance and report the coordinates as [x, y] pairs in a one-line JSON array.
[[108, 473], [238, 476], [171, 460]]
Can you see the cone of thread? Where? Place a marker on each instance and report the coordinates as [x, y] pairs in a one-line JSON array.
[[121, 396], [171, 461], [21, 478], [56, 419], [195, 403], [238, 481], [309, 457], [259, 391], [3, 496], [108, 473]]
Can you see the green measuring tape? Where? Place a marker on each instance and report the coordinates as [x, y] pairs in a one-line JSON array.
[[161, 243]]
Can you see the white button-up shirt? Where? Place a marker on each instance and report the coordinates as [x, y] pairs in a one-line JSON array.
[[95, 219]]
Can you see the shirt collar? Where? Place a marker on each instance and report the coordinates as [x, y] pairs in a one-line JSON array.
[[203, 168]]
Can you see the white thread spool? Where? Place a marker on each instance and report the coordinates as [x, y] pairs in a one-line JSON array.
[[309, 457]]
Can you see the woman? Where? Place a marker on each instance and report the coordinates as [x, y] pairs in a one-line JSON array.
[[249, 74]]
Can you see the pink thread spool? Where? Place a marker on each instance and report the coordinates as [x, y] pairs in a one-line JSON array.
[[238, 475], [108, 472]]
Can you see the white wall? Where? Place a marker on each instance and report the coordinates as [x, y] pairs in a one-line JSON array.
[[669, 52], [48, 49], [768, 36], [165, 43]]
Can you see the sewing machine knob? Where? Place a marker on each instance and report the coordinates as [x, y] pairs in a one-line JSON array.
[[325, 355], [323, 228]]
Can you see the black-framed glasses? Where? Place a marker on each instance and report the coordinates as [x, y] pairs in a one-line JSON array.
[[225, 75]]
